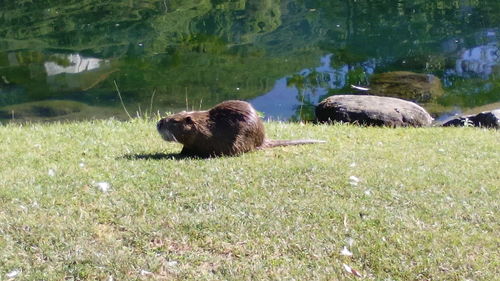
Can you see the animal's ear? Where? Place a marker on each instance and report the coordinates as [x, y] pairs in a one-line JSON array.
[[189, 120]]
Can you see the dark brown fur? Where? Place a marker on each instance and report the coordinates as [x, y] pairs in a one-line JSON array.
[[229, 128]]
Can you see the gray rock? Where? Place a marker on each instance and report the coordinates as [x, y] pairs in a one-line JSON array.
[[407, 85], [372, 110], [487, 119]]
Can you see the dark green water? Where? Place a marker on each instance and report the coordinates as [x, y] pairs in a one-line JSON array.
[[61, 59]]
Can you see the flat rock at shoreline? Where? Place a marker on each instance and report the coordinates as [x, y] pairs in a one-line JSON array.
[[372, 110]]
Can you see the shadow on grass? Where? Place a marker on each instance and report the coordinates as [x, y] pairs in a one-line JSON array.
[[157, 156]]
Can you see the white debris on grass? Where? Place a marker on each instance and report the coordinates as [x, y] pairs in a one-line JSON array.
[[51, 172], [103, 186], [346, 252], [172, 263], [353, 180], [352, 270], [145, 272], [13, 273]]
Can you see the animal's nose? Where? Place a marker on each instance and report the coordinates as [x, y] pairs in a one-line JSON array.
[[160, 124]]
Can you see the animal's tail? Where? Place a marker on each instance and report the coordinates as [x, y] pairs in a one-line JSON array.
[[274, 143]]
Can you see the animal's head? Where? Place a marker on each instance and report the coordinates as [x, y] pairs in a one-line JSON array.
[[177, 127]]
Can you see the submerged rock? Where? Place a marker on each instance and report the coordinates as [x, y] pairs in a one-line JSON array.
[[41, 109], [406, 85], [372, 110], [57, 110], [487, 119]]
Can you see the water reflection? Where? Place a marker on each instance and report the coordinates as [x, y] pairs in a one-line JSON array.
[[74, 72], [280, 103], [479, 61], [288, 100], [202, 52], [75, 63]]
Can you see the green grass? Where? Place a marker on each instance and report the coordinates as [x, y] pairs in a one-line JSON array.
[[425, 207]]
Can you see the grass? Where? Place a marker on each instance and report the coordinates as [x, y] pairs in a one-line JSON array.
[[410, 204]]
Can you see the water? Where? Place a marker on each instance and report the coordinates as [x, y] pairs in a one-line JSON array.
[[61, 59]]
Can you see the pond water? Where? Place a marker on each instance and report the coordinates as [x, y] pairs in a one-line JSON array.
[[70, 59]]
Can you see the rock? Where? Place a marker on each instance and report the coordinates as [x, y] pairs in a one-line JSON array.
[[57, 110], [487, 119], [406, 85], [47, 108], [372, 110]]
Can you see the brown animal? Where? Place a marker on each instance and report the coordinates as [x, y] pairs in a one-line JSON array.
[[229, 128]]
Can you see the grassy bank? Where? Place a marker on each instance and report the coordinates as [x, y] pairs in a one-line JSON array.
[[408, 204]]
